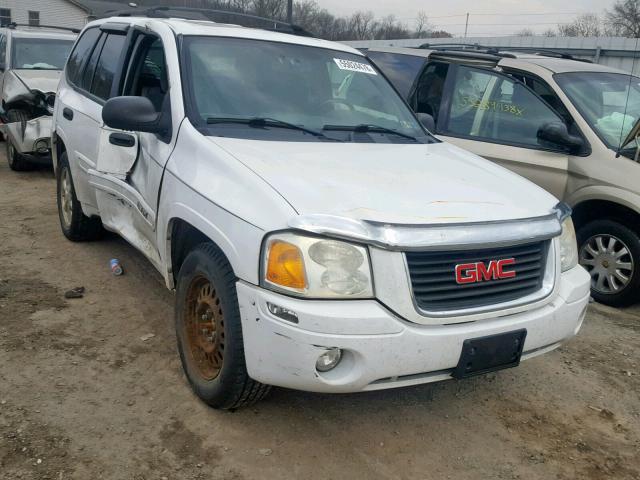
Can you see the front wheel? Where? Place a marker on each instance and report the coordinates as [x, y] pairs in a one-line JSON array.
[[610, 252], [209, 331]]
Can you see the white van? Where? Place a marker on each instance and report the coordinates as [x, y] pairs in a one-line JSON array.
[[317, 236]]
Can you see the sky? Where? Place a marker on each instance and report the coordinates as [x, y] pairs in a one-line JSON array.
[[511, 15]]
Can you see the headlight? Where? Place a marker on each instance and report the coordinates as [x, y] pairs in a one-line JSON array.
[[568, 246], [316, 267]]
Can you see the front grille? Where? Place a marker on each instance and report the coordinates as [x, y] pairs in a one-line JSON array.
[[433, 277]]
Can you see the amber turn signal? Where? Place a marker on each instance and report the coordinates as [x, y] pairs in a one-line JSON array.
[[285, 266]]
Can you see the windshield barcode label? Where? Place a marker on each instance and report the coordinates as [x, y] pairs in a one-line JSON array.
[[354, 66]]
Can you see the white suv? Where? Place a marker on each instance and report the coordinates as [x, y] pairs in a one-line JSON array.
[[317, 236]]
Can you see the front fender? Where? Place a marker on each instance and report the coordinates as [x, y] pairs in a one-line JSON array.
[[239, 240]]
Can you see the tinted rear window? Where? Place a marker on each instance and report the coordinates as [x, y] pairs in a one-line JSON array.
[[402, 70], [80, 53], [107, 65]]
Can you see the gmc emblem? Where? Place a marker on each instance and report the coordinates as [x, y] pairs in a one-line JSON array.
[[480, 272]]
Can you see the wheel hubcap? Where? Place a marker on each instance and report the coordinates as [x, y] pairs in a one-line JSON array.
[[66, 197], [610, 263], [204, 324]]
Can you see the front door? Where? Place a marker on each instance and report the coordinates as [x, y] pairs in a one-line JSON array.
[[130, 165]]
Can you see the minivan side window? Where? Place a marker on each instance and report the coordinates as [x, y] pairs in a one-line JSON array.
[[81, 51], [107, 65], [400, 69], [492, 107]]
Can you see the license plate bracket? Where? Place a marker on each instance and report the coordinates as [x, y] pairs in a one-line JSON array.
[[491, 353]]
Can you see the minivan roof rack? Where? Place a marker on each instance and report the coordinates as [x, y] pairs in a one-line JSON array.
[[213, 15], [500, 51], [13, 25]]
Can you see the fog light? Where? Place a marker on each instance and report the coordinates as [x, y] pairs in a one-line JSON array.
[[42, 145], [329, 360]]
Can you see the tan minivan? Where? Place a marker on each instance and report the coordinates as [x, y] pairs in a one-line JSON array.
[[565, 124]]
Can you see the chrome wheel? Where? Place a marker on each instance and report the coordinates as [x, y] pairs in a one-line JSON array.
[[66, 197], [609, 261]]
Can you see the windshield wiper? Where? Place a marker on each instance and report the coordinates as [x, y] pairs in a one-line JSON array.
[[366, 128], [260, 122]]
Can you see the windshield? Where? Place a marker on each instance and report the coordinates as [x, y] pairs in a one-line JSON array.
[[609, 102], [332, 95], [39, 53]]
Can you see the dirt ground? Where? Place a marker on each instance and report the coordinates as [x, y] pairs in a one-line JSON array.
[[83, 396]]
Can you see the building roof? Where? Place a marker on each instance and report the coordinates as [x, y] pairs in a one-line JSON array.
[[99, 8]]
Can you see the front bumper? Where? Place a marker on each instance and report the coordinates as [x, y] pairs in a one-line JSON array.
[[32, 138], [380, 349]]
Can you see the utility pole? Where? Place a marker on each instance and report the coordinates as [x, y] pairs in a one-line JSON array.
[[466, 26], [289, 11]]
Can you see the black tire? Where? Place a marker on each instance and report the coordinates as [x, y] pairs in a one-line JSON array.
[[17, 162], [587, 234], [231, 387], [75, 225]]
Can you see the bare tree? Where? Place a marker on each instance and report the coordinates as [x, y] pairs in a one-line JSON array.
[[422, 25], [525, 32], [624, 18], [550, 32], [586, 25]]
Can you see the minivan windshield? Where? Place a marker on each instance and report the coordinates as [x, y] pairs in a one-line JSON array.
[[39, 53], [278, 91], [609, 102]]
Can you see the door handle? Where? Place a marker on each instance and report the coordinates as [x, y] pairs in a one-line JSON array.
[[122, 140], [67, 113]]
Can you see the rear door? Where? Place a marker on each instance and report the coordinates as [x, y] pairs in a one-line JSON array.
[[498, 117], [89, 74]]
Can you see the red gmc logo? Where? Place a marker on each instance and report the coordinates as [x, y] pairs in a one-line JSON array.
[[481, 272]]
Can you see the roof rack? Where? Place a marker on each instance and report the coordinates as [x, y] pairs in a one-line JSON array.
[[13, 25], [501, 51], [213, 15]]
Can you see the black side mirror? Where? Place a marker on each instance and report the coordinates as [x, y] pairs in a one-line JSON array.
[[135, 114], [556, 134], [427, 121]]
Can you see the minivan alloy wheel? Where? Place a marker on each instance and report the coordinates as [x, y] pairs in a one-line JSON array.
[[204, 324], [609, 262]]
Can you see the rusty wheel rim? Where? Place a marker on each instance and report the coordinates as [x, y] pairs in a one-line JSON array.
[[204, 325]]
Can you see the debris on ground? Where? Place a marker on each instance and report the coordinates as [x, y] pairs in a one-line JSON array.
[[148, 336], [116, 267], [77, 292]]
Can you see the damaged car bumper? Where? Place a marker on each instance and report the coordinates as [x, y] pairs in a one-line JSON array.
[[31, 138], [379, 349]]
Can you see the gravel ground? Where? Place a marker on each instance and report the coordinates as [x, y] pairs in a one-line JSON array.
[[83, 396]]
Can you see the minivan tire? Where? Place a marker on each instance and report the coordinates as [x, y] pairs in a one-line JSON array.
[[17, 162], [623, 238], [209, 331], [75, 225]]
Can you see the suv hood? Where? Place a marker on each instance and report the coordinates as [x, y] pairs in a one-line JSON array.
[[399, 184], [44, 80]]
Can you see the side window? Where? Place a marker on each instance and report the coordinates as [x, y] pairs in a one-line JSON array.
[[489, 106], [147, 75], [107, 66], [90, 68], [80, 53], [3, 51], [428, 94], [401, 70]]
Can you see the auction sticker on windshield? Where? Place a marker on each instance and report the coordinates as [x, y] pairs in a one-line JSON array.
[[352, 66]]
